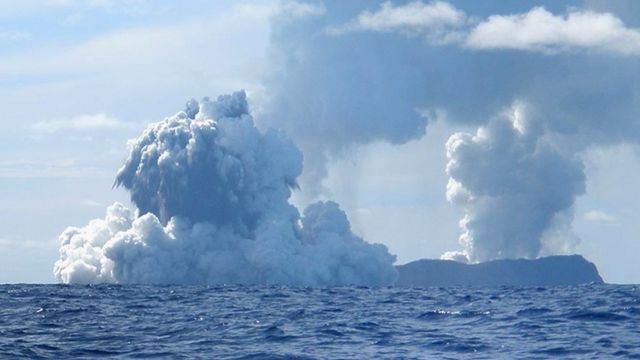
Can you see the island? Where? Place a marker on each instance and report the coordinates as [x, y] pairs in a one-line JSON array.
[[546, 271]]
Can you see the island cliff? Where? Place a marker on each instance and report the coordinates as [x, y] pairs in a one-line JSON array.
[[547, 271]]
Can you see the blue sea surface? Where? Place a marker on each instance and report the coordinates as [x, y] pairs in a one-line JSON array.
[[255, 322]]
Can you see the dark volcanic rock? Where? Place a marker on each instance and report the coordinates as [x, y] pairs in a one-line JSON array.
[[547, 271]]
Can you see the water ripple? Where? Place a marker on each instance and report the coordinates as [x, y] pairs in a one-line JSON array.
[[274, 322]]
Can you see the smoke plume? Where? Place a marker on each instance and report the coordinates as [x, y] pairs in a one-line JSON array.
[[211, 193], [515, 187]]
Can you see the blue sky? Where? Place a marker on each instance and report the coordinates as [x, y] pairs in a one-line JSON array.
[[80, 78]]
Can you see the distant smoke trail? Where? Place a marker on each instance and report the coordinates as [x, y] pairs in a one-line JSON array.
[[212, 197], [514, 186]]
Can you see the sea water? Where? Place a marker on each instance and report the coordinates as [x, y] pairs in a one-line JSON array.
[[273, 322]]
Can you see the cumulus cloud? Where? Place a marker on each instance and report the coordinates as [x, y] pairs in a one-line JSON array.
[[294, 9], [21, 244], [535, 30], [600, 216], [515, 187], [540, 30], [283, 10], [416, 18], [99, 121], [211, 193], [14, 36], [90, 203], [48, 169]]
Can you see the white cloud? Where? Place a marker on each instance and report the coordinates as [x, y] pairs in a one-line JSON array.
[[205, 47], [69, 168], [299, 10], [535, 30], [87, 3], [112, 3], [599, 216], [80, 123], [10, 8], [412, 18], [144, 46], [91, 203], [540, 30], [21, 243], [14, 36]]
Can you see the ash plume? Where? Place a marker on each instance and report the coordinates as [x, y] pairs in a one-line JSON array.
[[211, 193]]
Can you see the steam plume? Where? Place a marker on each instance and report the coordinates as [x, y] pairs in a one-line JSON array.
[[387, 73], [515, 188], [382, 73], [212, 198]]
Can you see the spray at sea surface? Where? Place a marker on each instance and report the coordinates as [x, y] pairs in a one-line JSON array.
[[276, 322]]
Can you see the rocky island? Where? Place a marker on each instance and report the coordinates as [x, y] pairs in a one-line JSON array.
[[546, 271]]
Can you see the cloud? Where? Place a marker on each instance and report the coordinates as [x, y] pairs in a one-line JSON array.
[[536, 30], [133, 70], [24, 244], [7, 242], [92, 3], [212, 197], [90, 203], [60, 2], [164, 61], [415, 18], [155, 49], [540, 30], [99, 121], [285, 10], [12, 8], [296, 10], [600, 216], [49, 169], [14, 36], [392, 88]]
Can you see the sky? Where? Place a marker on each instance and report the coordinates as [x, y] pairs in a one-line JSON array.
[[372, 93]]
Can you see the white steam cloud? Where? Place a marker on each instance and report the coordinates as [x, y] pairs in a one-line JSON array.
[[516, 189], [212, 193]]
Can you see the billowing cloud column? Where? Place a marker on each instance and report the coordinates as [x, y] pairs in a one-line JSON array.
[[212, 197], [515, 186]]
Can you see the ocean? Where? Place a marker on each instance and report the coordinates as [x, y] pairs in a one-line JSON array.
[[272, 322]]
